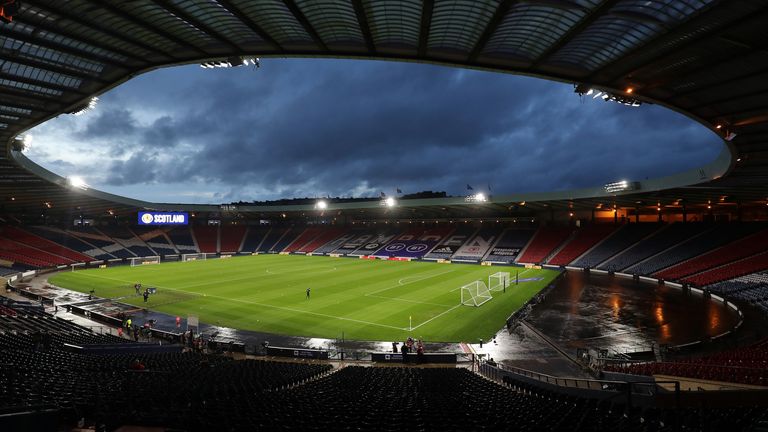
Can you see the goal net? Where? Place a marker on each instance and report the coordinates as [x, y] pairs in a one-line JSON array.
[[475, 294], [139, 261], [498, 281], [193, 257]]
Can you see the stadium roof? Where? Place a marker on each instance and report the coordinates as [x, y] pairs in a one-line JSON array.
[[707, 59]]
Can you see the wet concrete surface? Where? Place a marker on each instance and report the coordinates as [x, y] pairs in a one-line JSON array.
[[596, 311]]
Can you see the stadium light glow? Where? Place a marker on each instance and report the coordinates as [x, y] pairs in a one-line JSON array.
[[83, 109], [77, 182], [623, 98], [321, 205], [390, 202], [231, 62], [620, 186]]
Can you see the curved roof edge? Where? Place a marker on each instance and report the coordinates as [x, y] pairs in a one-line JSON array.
[[712, 171]]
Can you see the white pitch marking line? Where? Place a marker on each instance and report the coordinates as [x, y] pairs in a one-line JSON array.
[[401, 283], [405, 300], [271, 306], [436, 316]]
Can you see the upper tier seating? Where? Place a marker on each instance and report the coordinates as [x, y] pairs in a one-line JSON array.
[[207, 238], [182, 239], [739, 249], [546, 240], [232, 237], [661, 240], [719, 235], [326, 235], [626, 236], [586, 237]]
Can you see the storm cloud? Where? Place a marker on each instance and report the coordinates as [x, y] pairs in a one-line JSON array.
[[297, 128]]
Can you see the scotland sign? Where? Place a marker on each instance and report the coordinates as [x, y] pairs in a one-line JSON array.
[[163, 218]]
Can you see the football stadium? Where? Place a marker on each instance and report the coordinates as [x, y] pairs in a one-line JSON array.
[[637, 304]]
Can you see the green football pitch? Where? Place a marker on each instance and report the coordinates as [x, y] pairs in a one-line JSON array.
[[364, 299]]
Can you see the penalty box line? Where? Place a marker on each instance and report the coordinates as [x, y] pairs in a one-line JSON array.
[[269, 306]]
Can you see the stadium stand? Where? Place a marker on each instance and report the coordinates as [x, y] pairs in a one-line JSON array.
[[124, 236], [718, 235], [101, 241], [509, 245], [751, 288], [232, 237], [305, 236], [368, 242], [746, 365], [663, 239], [271, 239], [288, 237], [452, 243], [739, 249], [69, 241], [479, 245], [253, 238], [585, 238], [544, 241], [181, 237], [156, 239], [18, 253], [623, 238], [333, 245], [326, 236], [45, 245], [742, 267], [207, 238]]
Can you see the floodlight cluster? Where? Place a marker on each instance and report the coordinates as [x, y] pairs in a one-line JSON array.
[[84, 109], [231, 62], [623, 99], [619, 186]]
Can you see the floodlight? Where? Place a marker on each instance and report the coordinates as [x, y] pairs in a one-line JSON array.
[[77, 182], [390, 202], [480, 197], [321, 205]]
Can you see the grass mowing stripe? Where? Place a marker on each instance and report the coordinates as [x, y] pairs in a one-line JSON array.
[[239, 292]]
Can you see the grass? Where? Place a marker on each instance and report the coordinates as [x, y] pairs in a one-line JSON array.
[[367, 300]]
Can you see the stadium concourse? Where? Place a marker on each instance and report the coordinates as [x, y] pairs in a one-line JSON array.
[[656, 323]]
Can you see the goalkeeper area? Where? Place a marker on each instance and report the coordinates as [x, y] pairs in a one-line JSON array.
[[364, 299]]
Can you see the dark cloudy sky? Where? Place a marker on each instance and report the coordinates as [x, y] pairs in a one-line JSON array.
[[297, 128]]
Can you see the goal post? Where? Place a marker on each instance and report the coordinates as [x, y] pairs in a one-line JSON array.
[[139, 261], [192, 257], [498, 281], [475, 294]]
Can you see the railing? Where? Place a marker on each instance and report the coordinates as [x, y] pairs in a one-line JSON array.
[[648, 388]]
